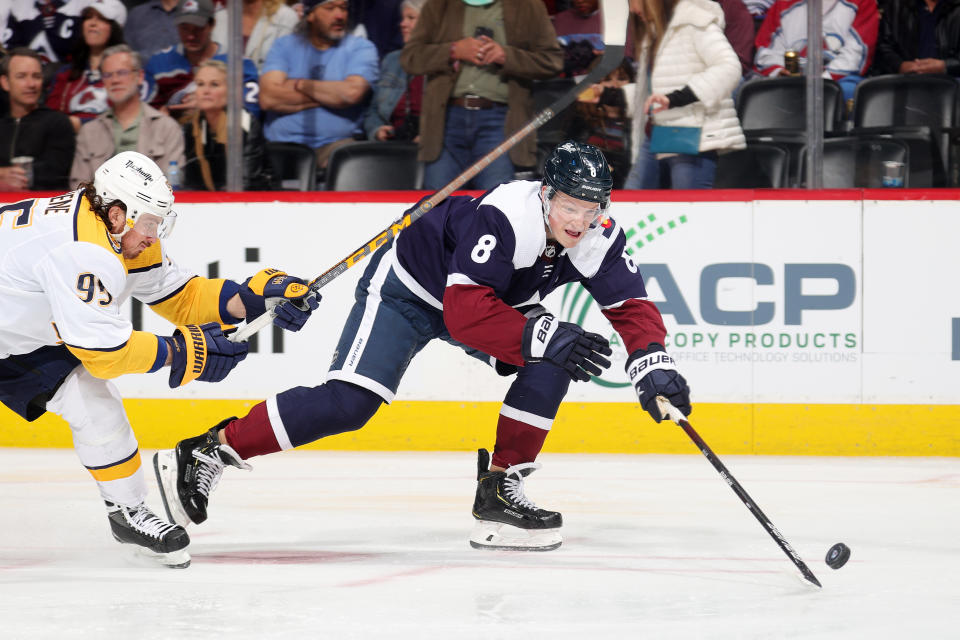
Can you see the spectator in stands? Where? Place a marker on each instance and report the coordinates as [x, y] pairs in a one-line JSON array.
[[580, 32], [205, 137], [740, 31], [478, 85], [150, 27], [46, 26], [4, 96], [128, 124], [849, 39], [758, 11], [78, 89], [263, 22], [316, 81], [397, 98], [169, 74], [30, 129], [602, 118], [693, 72], [919, 37], [377, 21]]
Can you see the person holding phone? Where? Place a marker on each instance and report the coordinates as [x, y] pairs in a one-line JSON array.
[[479, 57]]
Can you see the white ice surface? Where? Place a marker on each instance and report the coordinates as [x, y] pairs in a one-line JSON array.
[[374, 545]]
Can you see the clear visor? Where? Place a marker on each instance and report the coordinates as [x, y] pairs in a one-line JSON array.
[[154, 226], [569, 210]]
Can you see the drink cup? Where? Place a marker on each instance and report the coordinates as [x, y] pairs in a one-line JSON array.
[[26, 163], [791, 62], [892, 173]]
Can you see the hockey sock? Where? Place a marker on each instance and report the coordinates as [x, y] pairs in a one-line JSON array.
[[301, 415], [252, 434], [516, 442]]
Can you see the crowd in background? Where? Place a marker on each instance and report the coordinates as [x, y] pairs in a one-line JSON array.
[[84, 79]]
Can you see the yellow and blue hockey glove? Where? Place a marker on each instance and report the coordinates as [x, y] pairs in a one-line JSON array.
[[268, 288]]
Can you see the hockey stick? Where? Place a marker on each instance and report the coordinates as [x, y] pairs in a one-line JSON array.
[[667, 409], [614, 35]]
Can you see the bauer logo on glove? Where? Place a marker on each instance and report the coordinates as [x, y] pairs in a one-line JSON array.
[[654, 373]]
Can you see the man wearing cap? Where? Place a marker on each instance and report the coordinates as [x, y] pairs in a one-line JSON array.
[[479, 57], [150, 27], [316, 80], [169, 74]]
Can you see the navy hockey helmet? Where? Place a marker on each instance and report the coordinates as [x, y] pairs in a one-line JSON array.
[[580, 171]]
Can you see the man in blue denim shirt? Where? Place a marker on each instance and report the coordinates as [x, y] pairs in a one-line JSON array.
[[397, 98], [316, 80]]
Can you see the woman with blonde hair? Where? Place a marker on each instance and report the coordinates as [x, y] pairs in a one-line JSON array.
[[395, 109], [686, 74], [263, 22], [205, 137]]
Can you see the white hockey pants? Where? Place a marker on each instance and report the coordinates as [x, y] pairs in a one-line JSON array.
[[102, 435]]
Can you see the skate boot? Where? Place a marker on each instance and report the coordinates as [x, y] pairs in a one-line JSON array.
[[506, 518], [186, 475], [152, 537]]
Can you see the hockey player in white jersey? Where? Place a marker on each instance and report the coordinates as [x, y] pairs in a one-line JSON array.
[[67, 263]]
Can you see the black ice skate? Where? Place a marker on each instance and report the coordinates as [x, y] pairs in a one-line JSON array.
[[186, 475], [506, 518], [154, 538]]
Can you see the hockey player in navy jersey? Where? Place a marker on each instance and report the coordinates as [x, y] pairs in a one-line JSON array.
[[69, 262], [472, 271]]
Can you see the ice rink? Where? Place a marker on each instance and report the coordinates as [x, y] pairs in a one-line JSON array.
[[374, 545]]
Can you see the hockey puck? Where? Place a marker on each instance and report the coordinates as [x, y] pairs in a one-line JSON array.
[[837, 556]]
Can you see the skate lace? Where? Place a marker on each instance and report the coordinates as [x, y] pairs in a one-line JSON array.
[[146, 521], [208, 472], [513, 484]]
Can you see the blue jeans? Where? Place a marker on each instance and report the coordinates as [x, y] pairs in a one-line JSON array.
[[681, 171], [468, 135]]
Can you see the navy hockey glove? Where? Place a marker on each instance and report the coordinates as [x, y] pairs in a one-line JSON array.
[[268, 288], [202, 352], [566, 345], [654, 373]]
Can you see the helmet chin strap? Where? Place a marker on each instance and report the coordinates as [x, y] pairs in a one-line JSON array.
[[545, 202]]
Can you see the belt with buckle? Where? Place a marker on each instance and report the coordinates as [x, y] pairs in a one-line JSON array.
[[474, 103]]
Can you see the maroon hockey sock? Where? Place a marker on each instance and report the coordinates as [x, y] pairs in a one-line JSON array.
[[252, 435], [516, 442]]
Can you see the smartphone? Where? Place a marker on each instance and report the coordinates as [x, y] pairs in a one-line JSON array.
[[483, 31]]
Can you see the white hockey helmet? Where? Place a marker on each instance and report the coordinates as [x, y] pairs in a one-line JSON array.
[[137, 182]]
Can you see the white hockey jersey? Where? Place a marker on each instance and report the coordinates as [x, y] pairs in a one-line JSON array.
[[63, 279]]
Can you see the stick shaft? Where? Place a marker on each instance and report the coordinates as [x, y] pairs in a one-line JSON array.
[[674, 414]]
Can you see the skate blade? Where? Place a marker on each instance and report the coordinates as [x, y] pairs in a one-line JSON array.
[[143, 557], [505, 537], [165, 468]]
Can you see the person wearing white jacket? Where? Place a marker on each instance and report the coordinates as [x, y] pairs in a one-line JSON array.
[[686, 75]]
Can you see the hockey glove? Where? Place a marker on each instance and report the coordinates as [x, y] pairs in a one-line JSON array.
[[268, 288], [202, 352], [654, 373], [566, 345]]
